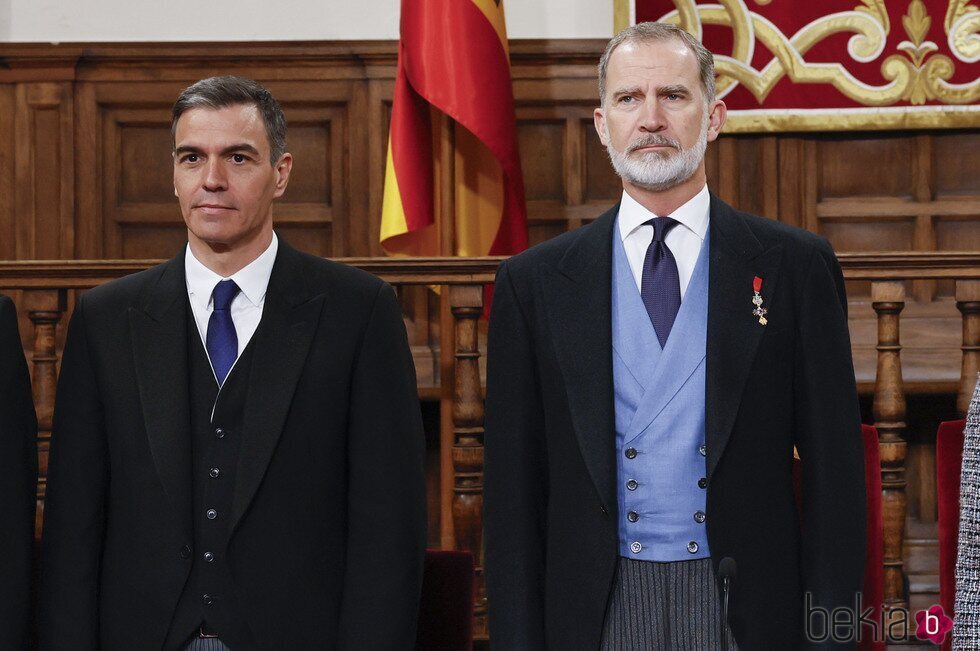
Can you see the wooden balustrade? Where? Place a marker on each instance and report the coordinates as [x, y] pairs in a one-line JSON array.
[[888, 300], [45, 287]]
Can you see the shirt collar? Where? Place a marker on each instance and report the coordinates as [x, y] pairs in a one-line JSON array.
[[693, 214], [252, 279]]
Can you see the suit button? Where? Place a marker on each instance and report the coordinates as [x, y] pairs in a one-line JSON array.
[[208, 556], [185, 552], [211, 514], [220, 433], [699, 517], [630, 453], [692, 547], [703, 450], [703, 482], [207, 599], [632, 484], [214, 473], [636, 547], [632, 516]]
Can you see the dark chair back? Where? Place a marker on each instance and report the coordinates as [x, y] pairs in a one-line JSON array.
[[949, 458]]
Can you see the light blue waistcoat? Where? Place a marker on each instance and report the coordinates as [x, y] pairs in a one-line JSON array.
[[659, 402]]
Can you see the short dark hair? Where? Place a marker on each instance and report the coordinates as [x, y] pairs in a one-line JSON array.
[[652, 32], [220, 92]]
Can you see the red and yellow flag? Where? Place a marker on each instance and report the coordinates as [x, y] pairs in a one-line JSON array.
[[453, 58]]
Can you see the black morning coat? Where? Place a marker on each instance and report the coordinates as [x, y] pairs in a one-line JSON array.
[[550, 497], [328, 513], [18, 483]]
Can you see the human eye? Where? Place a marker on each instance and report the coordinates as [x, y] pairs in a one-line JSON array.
[[239, 158], [189, 158]]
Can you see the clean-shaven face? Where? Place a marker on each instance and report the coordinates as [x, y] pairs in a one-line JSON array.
[[223, 176]]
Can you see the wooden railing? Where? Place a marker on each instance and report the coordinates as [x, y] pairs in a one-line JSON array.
[[46, 286], [888, 274]]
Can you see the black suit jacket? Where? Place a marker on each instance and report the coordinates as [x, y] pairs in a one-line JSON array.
[[18, 483], [550, 500], [328, 513]]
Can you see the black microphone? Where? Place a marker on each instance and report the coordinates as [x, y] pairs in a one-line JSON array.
[[726, 576]]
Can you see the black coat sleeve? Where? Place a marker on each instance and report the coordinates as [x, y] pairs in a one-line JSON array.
[[18, 483], [74, 514], [386, 489], [516, 479], [828, 437]]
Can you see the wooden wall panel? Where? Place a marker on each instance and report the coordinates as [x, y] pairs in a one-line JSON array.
[[601, 184], [8, 221], [956, 159], [43, 192]]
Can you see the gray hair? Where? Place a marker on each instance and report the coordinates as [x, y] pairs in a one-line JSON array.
[[220, 92], [652, 32]]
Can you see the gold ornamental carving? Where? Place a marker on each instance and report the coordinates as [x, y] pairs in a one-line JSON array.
[[916, 71]]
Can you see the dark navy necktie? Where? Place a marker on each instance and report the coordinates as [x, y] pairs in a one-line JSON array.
[[660, 286], [222, 340]]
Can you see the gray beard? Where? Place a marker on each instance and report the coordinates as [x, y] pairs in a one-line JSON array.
[[656, 171]]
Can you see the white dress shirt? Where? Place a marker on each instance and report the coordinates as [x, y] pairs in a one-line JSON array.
[[684, 240], [246, 307]]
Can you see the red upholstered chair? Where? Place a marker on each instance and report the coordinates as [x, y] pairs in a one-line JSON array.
[[446, 608], [874, 571], [949, 458]]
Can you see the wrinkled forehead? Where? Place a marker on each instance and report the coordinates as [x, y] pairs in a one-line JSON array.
[[666, 62]]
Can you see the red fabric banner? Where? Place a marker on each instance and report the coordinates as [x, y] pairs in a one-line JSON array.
[[838, 63]]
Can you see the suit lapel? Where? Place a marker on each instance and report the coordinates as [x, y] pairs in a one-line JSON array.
[[159, 334], [281, 343], [578, 301], [734, 333]]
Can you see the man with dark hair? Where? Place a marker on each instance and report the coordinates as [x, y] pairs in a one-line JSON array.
[[648, 378], [237, 450], [18, 483]]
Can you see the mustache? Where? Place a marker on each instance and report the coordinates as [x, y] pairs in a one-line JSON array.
[[653, 139]]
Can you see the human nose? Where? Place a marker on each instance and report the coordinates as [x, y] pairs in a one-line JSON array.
[[214, 176], [652, 117]]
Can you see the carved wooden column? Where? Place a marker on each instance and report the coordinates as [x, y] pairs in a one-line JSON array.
[[466, 302], [44, 308], [888, 300], [968, 303]]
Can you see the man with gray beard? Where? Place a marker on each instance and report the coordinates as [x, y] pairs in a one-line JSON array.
[[649, 376]]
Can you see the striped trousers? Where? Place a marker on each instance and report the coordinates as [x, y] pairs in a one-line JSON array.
[[207, 644], [669, 606]]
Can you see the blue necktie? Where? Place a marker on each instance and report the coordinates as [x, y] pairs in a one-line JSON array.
[[660, 286], [222, 339]]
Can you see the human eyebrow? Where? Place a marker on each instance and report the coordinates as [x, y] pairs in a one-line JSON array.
[[240, 148], [625, 92], [185, 149], [678, 89]]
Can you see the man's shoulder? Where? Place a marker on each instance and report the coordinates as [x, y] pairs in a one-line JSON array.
[[321, 274], [554, 250], [770, 232], [125, 292], [323, 270]]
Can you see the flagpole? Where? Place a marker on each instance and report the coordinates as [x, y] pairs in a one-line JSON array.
[[446, 222]]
